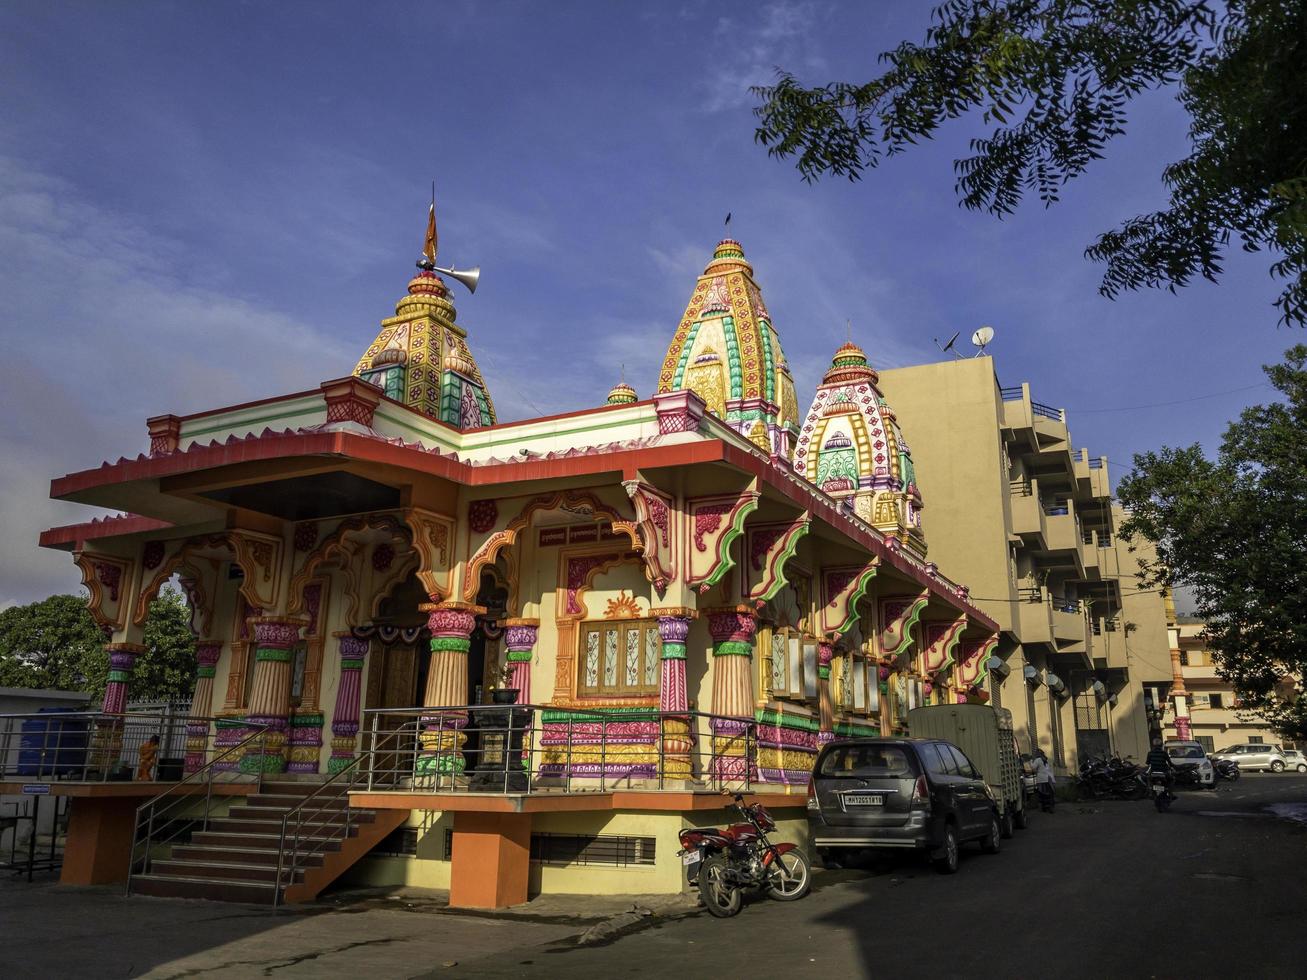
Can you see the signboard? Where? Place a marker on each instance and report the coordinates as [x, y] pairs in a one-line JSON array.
[[36, 789]]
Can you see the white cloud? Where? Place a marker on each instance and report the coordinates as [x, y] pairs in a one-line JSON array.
[[105, 323], [748, 51]]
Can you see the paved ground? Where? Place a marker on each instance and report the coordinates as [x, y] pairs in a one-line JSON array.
[[1213, 888]]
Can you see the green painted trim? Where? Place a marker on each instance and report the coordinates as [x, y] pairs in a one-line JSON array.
[[673, 651], [303, 721], [475, 444], [913, 615], [768, 361], [600, 714], [851, 616], [206, 672], [265, 763], [519, 656], [823, 673], [855, 730], [441, 644], [789, 548], [351, 665], [318, 408], [769, 716], [273, 655], [679, 378], [338, 762], [230, 723], [724, 560], [733, 648]]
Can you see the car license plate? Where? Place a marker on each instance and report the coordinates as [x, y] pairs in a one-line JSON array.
[[691, 857], [864, 799]]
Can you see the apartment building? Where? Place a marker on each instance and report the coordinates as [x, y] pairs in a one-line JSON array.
[[1028, 522]]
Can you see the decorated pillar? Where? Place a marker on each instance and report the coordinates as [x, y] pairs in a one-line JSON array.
[[732, 629], [673, 694], [826, 709], [122, 658], [520, 641], [197, 730], [345, 719], [451, 625], [274, 640]]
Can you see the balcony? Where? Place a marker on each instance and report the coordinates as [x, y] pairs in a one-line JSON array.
[[1035, 617], [1069, 630], [1206, 672], [1027, 513], [1035, 424]]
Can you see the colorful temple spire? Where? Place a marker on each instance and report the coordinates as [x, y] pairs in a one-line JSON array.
[[852, 446], [728, 353], [421, 357]]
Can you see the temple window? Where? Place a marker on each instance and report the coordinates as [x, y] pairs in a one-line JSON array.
[[619, 657], [792, 663]]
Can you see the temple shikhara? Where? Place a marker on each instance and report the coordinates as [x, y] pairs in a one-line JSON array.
[[667, 597]]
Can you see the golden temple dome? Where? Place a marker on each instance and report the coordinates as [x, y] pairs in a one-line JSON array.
[[622, 394]]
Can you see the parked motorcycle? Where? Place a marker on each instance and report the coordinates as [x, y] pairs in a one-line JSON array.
[[725, 862], [1117, 778], [1226, 769]]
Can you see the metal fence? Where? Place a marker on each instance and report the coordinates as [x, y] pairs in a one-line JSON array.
[[95, 746], [529, 749]]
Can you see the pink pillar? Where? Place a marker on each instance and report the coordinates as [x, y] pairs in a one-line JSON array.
[[274, 639], [197, 731], [673, 693], [122, 658], [520, 639], [345, 717], [825, 706]]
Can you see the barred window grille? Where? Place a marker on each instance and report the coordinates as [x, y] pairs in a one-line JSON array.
[[401, 842], [604, 850]]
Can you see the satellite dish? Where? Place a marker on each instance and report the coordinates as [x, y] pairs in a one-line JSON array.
[[949, 346], [982, 337]]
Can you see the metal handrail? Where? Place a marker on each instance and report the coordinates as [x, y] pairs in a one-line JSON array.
[[343, 789], [148, 812]]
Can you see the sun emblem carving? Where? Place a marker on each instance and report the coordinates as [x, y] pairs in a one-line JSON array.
[[625, 606]]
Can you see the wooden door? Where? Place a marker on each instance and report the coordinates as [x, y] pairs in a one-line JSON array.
[[393, 683]]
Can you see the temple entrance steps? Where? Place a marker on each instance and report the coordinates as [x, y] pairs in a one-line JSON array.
[[236, 858]]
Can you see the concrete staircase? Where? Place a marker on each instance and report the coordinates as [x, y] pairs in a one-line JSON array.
[[235, 859]]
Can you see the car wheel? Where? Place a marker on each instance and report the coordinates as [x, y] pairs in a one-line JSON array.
[[1005, 825], [1302, 767], [990, 842], [1022, 821], [946, 859], [828, 859], [1277, 766]]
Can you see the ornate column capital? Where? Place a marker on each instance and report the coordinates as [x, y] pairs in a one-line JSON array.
[[520, 638], [732, 628], [352, 647], [451, 619]]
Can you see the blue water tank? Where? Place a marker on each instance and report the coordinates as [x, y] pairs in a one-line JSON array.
[[51, 745]]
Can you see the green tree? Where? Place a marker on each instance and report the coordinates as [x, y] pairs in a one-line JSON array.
[[55, 643], [1051, 80], [1234, 530]]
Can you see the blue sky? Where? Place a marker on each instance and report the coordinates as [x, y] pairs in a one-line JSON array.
[[202, 203]]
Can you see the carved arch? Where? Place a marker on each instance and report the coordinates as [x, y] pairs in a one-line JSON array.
[[337, 551], [508, 536]]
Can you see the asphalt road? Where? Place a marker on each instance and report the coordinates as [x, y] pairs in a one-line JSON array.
[[1213, 888]]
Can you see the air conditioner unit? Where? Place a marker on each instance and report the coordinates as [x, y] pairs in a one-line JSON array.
[[1054, 683], [1099, 689], [997, 665], [1032, 675]]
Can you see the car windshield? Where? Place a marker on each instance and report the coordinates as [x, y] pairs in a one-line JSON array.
[[853, 761], [1185, 751]]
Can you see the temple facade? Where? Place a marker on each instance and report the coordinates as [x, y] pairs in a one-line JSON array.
[[685, 593]]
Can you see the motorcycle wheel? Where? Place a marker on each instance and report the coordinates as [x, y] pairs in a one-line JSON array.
[[1234, 776], [1162, 800], [1138, 791], [720, 898], [1022, 821], [794, 887]]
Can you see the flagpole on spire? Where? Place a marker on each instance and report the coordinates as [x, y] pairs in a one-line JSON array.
[[428, 260]]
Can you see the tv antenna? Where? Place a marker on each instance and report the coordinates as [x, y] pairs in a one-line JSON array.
[[948, 348], [982, 337]]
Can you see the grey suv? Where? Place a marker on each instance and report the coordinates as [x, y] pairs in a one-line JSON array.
[[902, 793], [1254, 755]]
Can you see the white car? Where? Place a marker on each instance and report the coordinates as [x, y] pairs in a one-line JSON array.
[[1190, 755], [1294, 759]]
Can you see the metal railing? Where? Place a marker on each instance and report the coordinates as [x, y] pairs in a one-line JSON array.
[[1011, 394], [98, 746], [174, 813], [1020, 488], [326, 815], [534, 749], [1046, 411]]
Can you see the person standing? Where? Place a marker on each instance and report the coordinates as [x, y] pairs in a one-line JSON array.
[[1044, 780]]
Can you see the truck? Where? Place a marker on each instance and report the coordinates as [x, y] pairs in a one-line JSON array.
[[984, 734]]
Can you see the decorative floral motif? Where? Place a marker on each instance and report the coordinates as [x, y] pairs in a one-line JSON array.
[[707, 520], [482, 515], [578, 575], [383, 556], [761, 543], [306, 536], [110, 576], [451, 621], [276, 634], [152, 555]]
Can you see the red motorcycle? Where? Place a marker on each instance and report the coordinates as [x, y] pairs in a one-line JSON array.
[[724, 862]]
